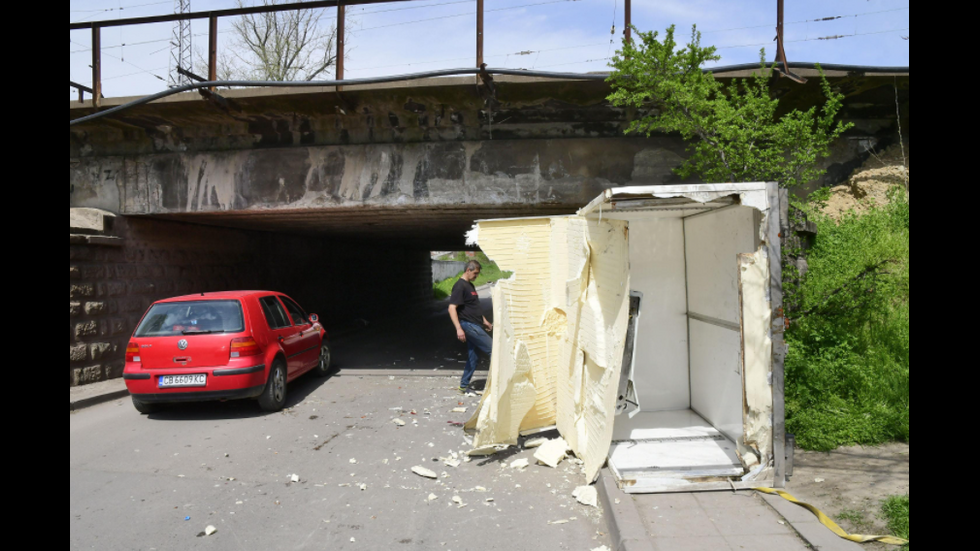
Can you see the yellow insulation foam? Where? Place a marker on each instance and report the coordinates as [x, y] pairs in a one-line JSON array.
[[756, 356], [568, 305]]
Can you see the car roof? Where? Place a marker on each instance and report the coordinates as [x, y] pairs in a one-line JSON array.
[[224, 295]]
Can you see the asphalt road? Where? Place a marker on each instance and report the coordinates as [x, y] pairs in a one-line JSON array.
[[142, 483]]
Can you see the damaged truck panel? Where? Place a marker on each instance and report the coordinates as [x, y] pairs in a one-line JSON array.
[[706, 373]]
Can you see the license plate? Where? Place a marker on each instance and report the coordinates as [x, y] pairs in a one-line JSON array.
[[183, 381]]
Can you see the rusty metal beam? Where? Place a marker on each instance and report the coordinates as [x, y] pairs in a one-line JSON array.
[[213, 49], [97, 66], [341, 40], [780, 45], [479, 33], [628, 31], [170, 18], [190, 75]]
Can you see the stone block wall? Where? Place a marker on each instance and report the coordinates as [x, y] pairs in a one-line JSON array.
[[113, 282]]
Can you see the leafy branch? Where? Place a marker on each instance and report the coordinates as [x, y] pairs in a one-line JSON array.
[[734, 132], [871, 272]]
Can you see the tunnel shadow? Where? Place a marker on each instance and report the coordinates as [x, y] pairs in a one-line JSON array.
[[422, 339], [298, 391]]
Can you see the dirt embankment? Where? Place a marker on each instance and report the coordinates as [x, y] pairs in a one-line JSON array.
[[850, 484], [869, 186]]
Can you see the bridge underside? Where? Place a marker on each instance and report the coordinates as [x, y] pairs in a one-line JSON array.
[[420, 228]]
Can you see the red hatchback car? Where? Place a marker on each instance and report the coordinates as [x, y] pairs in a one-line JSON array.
[[223, 346]]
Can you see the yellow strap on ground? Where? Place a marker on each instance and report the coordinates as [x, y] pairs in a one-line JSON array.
[[826, 521]]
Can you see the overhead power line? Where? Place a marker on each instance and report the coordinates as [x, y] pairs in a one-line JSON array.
[[818, 39], [513, 54], [158, 77], [467, 14], [98, 12], [820, 20]]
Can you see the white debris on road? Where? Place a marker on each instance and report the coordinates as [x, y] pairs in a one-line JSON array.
[[552, 452], [587, 495], [485, 451], [399, 422], [294, 478], [210, 531], [425, 473], [520, 464], [536, 443]]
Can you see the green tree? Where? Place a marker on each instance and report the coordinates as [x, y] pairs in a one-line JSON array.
[[734, 131]]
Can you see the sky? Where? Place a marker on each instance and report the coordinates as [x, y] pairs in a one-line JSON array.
[[548, 35]]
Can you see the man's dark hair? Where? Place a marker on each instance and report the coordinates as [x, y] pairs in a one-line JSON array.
[[473, 265]]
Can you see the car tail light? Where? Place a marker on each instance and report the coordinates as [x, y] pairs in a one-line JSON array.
[[133, 353], [241, 348]]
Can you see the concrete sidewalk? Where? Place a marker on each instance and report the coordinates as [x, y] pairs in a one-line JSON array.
[[715, 521], [82, 397]]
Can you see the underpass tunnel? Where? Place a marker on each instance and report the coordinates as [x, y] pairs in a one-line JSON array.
[[367, 274]]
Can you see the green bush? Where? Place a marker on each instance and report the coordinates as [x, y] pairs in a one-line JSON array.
[[896, 512], [491, 273], [847, 372]]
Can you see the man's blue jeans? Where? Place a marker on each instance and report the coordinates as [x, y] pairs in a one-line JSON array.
[[477, 340]]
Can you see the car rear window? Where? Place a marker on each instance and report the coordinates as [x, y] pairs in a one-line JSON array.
[[189, 318]]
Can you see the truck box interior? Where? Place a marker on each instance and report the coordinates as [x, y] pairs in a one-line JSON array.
[[687, 368], [699, 402]]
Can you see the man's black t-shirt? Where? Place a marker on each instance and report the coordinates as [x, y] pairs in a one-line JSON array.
[[467, 301]]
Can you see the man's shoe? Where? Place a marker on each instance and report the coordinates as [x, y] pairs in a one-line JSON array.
[[463, 389]]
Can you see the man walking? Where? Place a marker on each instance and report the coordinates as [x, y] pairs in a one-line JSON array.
[[471, 326]]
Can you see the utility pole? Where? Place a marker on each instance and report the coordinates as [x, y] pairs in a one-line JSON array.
[[181, 54]]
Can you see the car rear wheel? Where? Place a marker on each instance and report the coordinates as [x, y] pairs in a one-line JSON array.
[[324, 366], [143, 407], [273, 399]]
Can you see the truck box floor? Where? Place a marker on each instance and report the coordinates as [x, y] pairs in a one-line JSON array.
[[670, 448]]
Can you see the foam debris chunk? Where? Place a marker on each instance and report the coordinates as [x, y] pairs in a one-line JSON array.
[[485, 451], [536, 443], [587, 495], [425, 473], [520, 464], [399, 422], [210, 531], [552, 452]]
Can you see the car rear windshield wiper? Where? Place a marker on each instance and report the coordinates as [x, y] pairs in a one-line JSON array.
[[201, 332]]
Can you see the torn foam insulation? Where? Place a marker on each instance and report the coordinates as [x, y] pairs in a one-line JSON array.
[[568, 306], [756, 318]]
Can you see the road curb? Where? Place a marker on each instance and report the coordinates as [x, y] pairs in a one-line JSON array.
[[623, 518], [398, 373], [96, 400]]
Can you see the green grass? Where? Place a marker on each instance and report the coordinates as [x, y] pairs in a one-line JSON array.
[[847, 371], [491, 273], [855, 517], [896, 511]]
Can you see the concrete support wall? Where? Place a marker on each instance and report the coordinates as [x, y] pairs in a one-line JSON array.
[[112, 286], [445, 269]]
